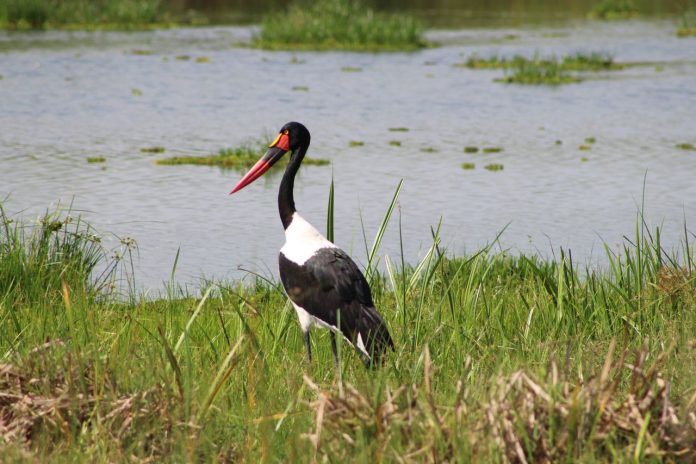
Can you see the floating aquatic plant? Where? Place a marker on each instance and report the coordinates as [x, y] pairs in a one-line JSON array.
[[395, 143], [96, 159], [492, 149], [232, 158], [538, 73], [494, 167], [685, 146], [471, 149], [153, 150], [356, 143], [399, 129], [468, 166]]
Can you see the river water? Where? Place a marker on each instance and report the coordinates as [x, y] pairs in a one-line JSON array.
[[66, 96]]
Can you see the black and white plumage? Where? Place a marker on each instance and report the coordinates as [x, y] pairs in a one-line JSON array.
[[323, 283]]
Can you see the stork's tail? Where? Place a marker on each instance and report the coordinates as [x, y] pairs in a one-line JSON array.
[[376, 336]]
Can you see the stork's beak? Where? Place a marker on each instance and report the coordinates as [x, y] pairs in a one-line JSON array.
[[276, 150]]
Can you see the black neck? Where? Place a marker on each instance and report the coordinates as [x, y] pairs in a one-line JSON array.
[[286, 202]]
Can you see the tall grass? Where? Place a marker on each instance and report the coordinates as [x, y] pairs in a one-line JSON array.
[[498, 357], [38, 14], [39, 261], [339, 24]]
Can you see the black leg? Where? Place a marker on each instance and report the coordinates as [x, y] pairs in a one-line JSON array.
[[333, 348], [308, 346]]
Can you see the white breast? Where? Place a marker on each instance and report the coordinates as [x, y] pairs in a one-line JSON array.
[[302, 240]]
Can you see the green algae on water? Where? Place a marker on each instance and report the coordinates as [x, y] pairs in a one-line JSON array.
[[428, 150], [399, 129], [494, 167], [202, 59], [584, 159], [395, 143], [471, 149], [492, 150], [136, 92], [96, 159], [153, 150], [468, 166], [351, 69], [585, 147], [590, 140], [685, 146], [356, 143], [233, 158]]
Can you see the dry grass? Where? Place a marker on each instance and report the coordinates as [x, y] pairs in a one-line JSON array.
[[46, 402], [622, 411]]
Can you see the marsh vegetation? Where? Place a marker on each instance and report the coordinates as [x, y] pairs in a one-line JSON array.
[[545, 70], [240, 157], [116, 14], [339, 24]]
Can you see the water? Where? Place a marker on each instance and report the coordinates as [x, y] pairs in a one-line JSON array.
[[67, 96]]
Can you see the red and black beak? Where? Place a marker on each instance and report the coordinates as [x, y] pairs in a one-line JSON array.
[[276, 150]]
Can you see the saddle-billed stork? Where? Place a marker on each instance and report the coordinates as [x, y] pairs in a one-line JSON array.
[[324, 285]]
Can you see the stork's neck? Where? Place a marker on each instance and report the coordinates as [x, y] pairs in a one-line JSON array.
[[286, 201]]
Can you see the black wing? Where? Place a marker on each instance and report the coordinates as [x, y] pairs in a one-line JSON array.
[[330, 286]]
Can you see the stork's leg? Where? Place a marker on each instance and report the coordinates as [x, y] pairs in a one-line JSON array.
[[334, 348], [308, 345]]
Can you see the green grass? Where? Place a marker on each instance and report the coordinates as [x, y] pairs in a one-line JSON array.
[[339, 25], [614, 9], [497, 356], [241, 157], [47, 14]]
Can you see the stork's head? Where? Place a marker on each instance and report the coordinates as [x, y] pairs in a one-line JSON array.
[[291, 136]]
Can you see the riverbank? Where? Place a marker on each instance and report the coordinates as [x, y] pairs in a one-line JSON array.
[[496, 355]]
